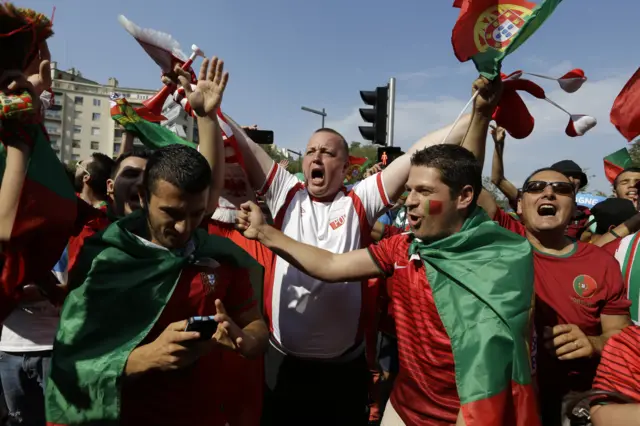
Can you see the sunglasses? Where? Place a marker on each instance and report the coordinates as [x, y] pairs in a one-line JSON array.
[[559, 188]]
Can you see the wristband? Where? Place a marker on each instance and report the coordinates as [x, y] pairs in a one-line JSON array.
[[612, 232]]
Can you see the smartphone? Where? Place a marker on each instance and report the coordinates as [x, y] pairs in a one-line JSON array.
[[261, 137], [206, 326]]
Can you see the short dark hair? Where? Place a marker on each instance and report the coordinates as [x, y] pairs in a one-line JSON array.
[[99, 169], [181, 166], [137, 151], [544, 169], [458, 167], [336, 133], [628, 169]]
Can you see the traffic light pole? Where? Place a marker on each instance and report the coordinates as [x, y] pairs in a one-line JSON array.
[[391, 110]]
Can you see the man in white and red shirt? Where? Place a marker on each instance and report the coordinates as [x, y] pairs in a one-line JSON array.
[[316, 372]]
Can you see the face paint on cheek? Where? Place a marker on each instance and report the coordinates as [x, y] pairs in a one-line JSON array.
[[433, 207]]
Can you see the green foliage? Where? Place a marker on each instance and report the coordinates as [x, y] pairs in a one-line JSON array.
[[370, 152], [634, 152]]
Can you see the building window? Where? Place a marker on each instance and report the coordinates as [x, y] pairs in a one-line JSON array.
[[75, 143], [53, 130], [77, 114], [78, 100], [58, 94], [54, 142], [95, 131], [95, 116], [95, 146], [75, 157], [117, 133], [77, 129], [96, 102], [116, 148]]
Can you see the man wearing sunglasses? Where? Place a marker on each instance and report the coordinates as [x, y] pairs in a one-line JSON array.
[[580, 297]]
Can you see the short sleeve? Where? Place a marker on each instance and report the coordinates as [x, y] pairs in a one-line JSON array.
[[373, 196], [505, 220], [384, 253], [276, 188], [619, 369], [239, 296], [617, 302], [385, 219]]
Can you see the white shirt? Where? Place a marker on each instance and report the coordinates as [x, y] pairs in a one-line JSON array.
[[620, 255], [311, 318], [31, 327]]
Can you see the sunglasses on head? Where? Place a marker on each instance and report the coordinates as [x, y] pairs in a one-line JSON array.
[[538, 187]]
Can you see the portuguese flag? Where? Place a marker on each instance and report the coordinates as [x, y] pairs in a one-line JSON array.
[[489, 30], [118, 290], [616, 162], [46, 216], [482, 283], [152, 135]]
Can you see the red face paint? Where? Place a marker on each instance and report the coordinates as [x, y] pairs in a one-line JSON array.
[[433, 207]]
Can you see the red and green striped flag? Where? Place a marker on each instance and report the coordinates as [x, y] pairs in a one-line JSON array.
[[118, 290], [626, 256], [489, 30], [616, 162], [482, 283], [46, 215]]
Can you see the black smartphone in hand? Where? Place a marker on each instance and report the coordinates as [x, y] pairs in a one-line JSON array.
[[206, 326], [261, 137]]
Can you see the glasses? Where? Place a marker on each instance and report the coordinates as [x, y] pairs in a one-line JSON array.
[[83, 168], [559, 188]]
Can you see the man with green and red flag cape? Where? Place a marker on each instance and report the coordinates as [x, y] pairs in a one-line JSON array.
[[623, 175], [123, 354], [462, 289]]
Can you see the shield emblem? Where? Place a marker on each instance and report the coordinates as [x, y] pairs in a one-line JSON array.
[[500, 32]]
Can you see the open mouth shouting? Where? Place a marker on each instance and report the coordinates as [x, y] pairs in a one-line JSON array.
[[317, 175], [547, 209], [414, 220]]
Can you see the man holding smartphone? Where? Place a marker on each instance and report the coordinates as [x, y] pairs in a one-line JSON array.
[[122, 352]]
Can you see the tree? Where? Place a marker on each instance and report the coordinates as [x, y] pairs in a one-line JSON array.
[[370, 152], [634, 152], [501, 200], [295, 166]]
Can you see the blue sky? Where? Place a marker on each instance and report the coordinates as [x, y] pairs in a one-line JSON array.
[[284, 53]]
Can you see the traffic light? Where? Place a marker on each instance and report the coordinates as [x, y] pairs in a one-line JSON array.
[[377, 116], [388, 153]]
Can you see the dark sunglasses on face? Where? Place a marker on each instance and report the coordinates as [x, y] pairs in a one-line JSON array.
[[559, 188]]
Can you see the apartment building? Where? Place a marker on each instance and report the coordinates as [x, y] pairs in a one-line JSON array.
[[179, 122], [80, 123]]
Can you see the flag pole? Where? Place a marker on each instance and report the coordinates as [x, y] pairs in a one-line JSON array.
[[473, 98]]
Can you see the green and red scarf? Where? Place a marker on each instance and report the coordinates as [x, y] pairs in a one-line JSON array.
[[482, 283], [117, 292], [626, 255]]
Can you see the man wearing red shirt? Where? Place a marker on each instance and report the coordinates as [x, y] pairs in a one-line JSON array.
[[442, 182], [580, 297]]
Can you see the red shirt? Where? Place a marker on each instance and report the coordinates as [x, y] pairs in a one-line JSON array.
[[425, 390], [619, 369], [573, 289], [195, 395]]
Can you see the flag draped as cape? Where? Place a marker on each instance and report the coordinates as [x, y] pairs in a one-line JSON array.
[[482, 283], [626, 255], [118, 290], [40, 232], [616, 162]]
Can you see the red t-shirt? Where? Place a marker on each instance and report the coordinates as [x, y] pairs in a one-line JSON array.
[[91, 226], [425, 390], [195, 395], [619, 369], [573, 289]]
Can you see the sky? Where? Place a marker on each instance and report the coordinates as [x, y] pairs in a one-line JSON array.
[[284, 54]]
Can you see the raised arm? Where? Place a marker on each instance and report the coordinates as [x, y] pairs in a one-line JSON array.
[[321, 264], [13, 178], [396, 174], [485, 103], [497, 166], [205, 101]]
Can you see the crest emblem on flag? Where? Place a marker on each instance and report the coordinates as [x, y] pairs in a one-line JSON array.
[[498, 25], [208, 282], [585, 286]]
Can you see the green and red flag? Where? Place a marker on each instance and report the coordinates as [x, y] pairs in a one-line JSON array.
[[627, 254], [616, 162], [482, 283], [489, 30], [625, 113], [47, 212], [118, 289]]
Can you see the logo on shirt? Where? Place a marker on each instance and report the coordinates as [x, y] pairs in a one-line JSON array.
[[585, 286], [337, 223], [208, 282]]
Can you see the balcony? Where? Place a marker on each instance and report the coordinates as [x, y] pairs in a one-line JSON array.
[[53, 115], [53, 130]]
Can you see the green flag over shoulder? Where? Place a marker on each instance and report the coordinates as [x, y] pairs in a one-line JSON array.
[[482, 284], [119, 288]]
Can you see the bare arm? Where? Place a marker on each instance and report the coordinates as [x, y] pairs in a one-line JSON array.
[[321, 264], [212, 148], [616, 415], [256, 333], [126, 142], [257, 162], [497, 166], [485, 103], [611, 325], [396, 174], [488, 203], [14, 176], [629, 227]]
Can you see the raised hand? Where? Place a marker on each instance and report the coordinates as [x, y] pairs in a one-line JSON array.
[[206, 98], [498, 133], [489, 94], [249, 219], [284, 163], [372, 170], [39, 71]]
